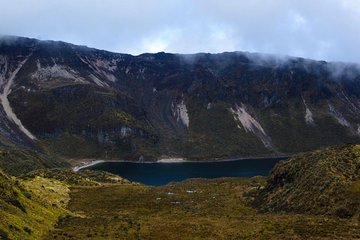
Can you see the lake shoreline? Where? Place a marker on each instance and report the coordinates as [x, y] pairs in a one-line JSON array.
[[92, 162]]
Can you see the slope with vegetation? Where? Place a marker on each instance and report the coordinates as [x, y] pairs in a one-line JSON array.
[[312, 196], [30, 206], [30, 209], [326, 181], [80, 102], [17, 161]]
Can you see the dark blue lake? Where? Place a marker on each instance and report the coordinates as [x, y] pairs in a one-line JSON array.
[[162, 173]]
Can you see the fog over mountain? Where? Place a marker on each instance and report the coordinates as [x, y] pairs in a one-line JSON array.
[[77, 102], [322, 30], [179, 119]]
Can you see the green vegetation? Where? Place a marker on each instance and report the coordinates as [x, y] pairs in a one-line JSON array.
[[194, 209], [98, 104], [131, 122], [30, 206], [81, 121], [29, 209], [21, 161], [291, 134], [315, 195], [213, 133], [82, 178], [72, 146], [320, 182]]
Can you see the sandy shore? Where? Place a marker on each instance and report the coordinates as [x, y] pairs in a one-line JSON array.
[[85, 163], [89, 163], [171, 160]]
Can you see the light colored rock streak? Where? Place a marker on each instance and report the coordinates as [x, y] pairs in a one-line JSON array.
[[55, 71], [101, 65], [4, 97], [355, 108], [180, 112], [96, 80], [338, 116], [125, 131], [86, 165], [308, 114], [251, 125]]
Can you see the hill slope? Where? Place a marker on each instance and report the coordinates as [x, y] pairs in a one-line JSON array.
[[31, 206], [312, 196], [80, 102], [25, 215], [326, 181]]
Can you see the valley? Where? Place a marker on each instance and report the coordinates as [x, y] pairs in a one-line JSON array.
[[194, 209], [64, 104], [62, 204]]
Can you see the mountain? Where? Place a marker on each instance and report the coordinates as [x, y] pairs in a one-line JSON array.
[[78, 102]]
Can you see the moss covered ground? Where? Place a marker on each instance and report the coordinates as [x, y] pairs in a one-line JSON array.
[[61, 204], [15, 161], [325, 181], [29, 209], [193, 209]]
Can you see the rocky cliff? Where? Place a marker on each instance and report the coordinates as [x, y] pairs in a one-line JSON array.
[[79, 102]]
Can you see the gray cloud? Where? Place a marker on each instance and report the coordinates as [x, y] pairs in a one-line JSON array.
[[324, 29]]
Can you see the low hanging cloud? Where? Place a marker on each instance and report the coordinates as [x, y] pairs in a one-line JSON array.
[[324, 29]]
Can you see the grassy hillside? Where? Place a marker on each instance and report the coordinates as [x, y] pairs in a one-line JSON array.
[[20, 161], [312, 196], [82, 178], [326, 181], [31, 206], [29, 209]]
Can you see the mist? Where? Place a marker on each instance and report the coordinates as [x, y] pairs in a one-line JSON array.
[[322, 30]]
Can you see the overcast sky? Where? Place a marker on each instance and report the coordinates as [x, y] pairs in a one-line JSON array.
[[319, 29]]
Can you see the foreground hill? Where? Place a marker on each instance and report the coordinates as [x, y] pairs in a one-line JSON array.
[[24, 215], [17, 161], [31, 206], [326, 181], [79, 102], [60, 204]]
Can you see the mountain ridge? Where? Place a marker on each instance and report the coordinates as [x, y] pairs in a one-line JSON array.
[[83, 102]]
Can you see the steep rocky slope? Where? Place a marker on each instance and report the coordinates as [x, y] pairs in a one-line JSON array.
[[80, 102]]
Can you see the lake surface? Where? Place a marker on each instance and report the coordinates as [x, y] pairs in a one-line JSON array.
[[162, 173]]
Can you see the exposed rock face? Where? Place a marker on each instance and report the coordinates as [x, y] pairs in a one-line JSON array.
[[195, 106], [180, 112], [251, 125]]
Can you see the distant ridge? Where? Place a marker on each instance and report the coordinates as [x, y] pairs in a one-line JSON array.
[[80, 102]]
